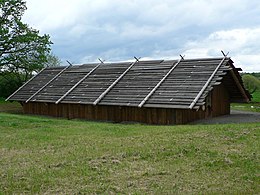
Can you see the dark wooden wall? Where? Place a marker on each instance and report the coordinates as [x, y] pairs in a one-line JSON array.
[[162, 116], [220, 101]]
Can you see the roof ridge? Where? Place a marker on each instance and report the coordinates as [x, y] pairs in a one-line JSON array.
[[154, 60]]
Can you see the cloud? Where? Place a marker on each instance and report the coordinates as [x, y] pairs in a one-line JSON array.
[[167, 15], [118, 30], [243, 45]]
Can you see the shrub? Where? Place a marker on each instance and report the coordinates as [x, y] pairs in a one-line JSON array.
[[251, 83]]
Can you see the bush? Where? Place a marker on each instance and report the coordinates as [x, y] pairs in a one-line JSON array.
[[251, 83], [8, 84]]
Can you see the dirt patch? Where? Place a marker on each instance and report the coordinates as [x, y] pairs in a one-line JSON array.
[[235, 117]]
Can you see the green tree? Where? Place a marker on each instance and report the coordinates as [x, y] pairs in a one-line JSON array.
[[23, 51], [251, 83], [8, 84], [256, 74], [52, 60]]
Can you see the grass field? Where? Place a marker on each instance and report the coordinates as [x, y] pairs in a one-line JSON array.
[[54, 156], [253, 106], [256, 96]]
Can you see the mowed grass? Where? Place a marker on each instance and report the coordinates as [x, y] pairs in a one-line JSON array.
[[253, 106], [256, 96], [40, 155]]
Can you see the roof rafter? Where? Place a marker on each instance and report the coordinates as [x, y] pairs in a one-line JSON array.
[[80, 81], [159, 83], [48, 83], [25, 84], [151, 83], [242, 90], [114, 83], [207, 83]]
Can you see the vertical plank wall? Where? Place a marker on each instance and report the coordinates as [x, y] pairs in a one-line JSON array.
[[220, 101], [162, 116]]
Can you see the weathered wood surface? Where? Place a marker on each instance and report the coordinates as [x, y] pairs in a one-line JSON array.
[[162, 115], [35, 84], [137, 86]]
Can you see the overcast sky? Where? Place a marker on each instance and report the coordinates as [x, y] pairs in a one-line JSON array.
[[117, 30]]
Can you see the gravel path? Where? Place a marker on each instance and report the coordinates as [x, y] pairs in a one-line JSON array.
[[235, 117]]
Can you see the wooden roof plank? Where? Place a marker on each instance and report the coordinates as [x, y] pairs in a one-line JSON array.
[[80, 81], [113, 84], [158, 84], [178, 90], [48, 83], [206, 84], [25, 84]]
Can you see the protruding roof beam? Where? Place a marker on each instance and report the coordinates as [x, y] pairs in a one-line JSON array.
[[25, 84], [80, 81], [240, 87], [48, 82], [114, 83], [207, 83], [159, 83]]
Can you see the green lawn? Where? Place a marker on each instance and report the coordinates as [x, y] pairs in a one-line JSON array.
[[253, 106], [40, 155], [256, 96]]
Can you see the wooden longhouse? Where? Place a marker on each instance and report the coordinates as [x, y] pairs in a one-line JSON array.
[[153, 92]]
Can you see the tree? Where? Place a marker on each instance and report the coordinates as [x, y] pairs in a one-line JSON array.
[[22, 50], [52, 60], [8, 84], [251, 83]]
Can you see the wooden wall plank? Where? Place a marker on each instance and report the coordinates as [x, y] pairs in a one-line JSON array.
[[161, 116], [220, 101]]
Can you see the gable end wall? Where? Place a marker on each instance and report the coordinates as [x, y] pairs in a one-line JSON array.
[[220, 101]]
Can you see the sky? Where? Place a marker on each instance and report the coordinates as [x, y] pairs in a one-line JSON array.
[[117, 30]]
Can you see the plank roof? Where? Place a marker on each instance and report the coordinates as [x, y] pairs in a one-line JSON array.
[[183, 83]]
